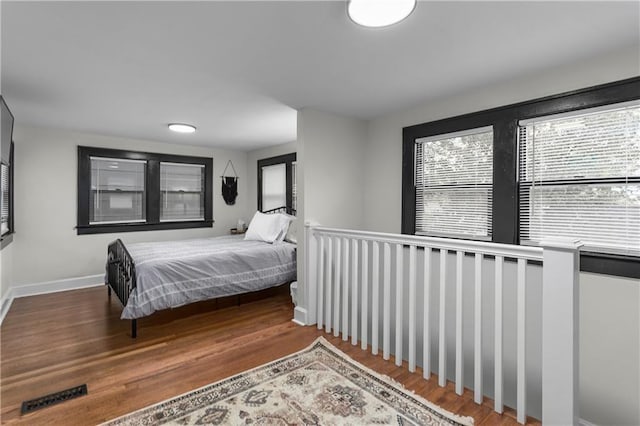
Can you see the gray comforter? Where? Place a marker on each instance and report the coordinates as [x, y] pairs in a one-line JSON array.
[[175, 273]]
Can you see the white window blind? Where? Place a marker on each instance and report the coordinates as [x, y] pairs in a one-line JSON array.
[[580, 178], [454, 179], [181, 191], [117, 191], [274, 186], [4, 200]]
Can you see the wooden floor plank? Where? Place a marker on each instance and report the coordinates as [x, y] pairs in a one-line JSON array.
[[52, 342]]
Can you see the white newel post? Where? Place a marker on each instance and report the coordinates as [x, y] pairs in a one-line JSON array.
[[560, 298], [305, 312]]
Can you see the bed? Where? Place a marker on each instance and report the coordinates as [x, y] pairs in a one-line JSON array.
[[148, 277]]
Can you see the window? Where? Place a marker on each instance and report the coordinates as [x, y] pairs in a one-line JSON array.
[[181, 191], [4, 218], [274, 186], [6, 174], [566, 165], [6, 199], [135, 191], [276, 182], [294, 189], [117, 191], [454, 175], [580, 177]]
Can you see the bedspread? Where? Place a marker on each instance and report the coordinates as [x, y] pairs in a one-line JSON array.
[[174, 273]]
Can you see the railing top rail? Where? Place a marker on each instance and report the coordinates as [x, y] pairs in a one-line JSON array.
[[485, 248]]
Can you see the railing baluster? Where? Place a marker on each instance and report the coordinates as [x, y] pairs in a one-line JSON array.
[[459, 355], [521, 414], [365, 294], [412, 308], [442, 349], [327, 275], [386, 301], [345, 289], [498, 336], [375, 299], [336, 296], [320, 288], [399, 307], [477, 370], [354, 292], [426, 306]]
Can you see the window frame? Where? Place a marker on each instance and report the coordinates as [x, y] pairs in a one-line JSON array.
[[7, 238], [505, 121], [152, 187], [288, 160]]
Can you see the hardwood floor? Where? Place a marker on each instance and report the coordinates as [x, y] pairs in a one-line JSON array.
[[53, 342]]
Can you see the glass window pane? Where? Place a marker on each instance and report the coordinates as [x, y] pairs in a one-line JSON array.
[[591, 146], [459, 212], [605, 217], [117, 191], [181, 192], [274, 186]]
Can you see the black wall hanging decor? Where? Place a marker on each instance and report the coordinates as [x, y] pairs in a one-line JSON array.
[[229, 185]]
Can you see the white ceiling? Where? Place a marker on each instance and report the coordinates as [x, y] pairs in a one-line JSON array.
[[239, 70]]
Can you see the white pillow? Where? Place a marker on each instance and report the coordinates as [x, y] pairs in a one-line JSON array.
[[292, 231], [265, 227], [285, 220]]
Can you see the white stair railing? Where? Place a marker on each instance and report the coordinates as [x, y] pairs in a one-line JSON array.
[[352, 277]]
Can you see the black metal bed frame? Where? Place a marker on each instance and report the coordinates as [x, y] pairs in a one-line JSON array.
[[121, 270], [121, 276]]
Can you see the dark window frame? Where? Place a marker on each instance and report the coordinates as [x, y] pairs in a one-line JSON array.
[[7, 238], [288, 160], [505, 150], [152, 185]]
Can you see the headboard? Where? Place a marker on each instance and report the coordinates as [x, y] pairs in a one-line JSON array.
[[282, 209]]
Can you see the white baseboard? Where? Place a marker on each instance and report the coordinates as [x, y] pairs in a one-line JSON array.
[[5, 304], [58, 285], [300, 316]]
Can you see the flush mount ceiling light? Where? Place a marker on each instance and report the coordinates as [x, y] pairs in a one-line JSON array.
[[182, 128], [379, 13]]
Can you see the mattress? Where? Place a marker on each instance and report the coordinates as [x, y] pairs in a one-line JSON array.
[[174, 273]]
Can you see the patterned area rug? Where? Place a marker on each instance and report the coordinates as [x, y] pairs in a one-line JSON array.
[[319, 385]]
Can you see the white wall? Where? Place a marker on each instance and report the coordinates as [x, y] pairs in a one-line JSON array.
[[609, 350], [600, 294], [330, 174], [6, 277], [46, 246], [330, 148], [252, 171]]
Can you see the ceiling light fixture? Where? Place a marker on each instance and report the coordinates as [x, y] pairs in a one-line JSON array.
[[379, 13], [182, 128]]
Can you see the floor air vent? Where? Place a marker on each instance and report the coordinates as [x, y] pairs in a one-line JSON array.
[[54, 398]]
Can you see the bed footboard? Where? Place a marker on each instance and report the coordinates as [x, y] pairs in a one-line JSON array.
[[121, 275]]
